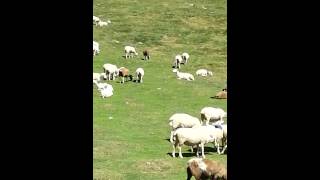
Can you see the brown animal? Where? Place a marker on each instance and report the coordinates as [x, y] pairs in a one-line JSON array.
[[203, 169], [124, 73], [146, 55], [222, 94]]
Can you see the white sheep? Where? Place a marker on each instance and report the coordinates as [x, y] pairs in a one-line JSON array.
[[97, 76], [95, 19], [182, 120], [129, 51], [197, 136], [139, 75], [185, 57], [212, 114], [225, 137], [111, 71], [204, 72], [182, 75], [107, 91], [177, 61], [96, 48], [103, 86], [102, 23]]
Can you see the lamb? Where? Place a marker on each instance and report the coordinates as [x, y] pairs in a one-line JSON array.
[[124, 73], [224, 139], [204, 72], [197, 136], [182, 75], [110, 70], [222, 94], [177, 61], [185, 57], [139, 75], [96, 49], [129, 51], [182, 120], [146, 55], [203, 169], [212, 114]]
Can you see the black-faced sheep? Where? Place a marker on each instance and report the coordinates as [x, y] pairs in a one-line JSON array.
[[146, 55]]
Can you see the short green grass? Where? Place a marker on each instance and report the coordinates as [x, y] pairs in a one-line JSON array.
[[133, 144]]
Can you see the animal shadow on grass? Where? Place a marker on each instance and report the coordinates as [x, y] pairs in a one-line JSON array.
[[183, 154], [206, 150], [214, 97]]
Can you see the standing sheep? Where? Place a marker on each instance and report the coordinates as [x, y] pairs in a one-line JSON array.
[[146, 55], [182, 120], [96, 49], [139, 75], [212, 114], [124, 73], [111, 71], [196, 136], [203, 169], [177, 61], [185, 57], [129, 51]]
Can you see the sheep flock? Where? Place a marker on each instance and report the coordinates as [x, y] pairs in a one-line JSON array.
[[203, 131]]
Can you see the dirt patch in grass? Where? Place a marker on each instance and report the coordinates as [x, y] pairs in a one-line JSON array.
[[110, 149], [105, 174], [153, 166]]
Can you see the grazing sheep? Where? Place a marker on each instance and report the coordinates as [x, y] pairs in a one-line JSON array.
[[124, 73], [146, 55], [203, 169], [111, 71], [196, 136], [212, 114], [182, 120], [139, 75], [204, 72], [182, 75], [222, 94], [129, 51], [96, 49], [177, 61], [185, 57]]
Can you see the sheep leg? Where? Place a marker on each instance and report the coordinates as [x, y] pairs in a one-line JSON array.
[[218, 147], [180, 154], [202, 150], [171, 137], [224, 148], [174, 150], [141, 80]]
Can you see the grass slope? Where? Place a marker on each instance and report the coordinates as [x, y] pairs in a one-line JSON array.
[[133, 144]]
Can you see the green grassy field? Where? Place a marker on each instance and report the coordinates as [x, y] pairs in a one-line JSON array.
[[133, 143]]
